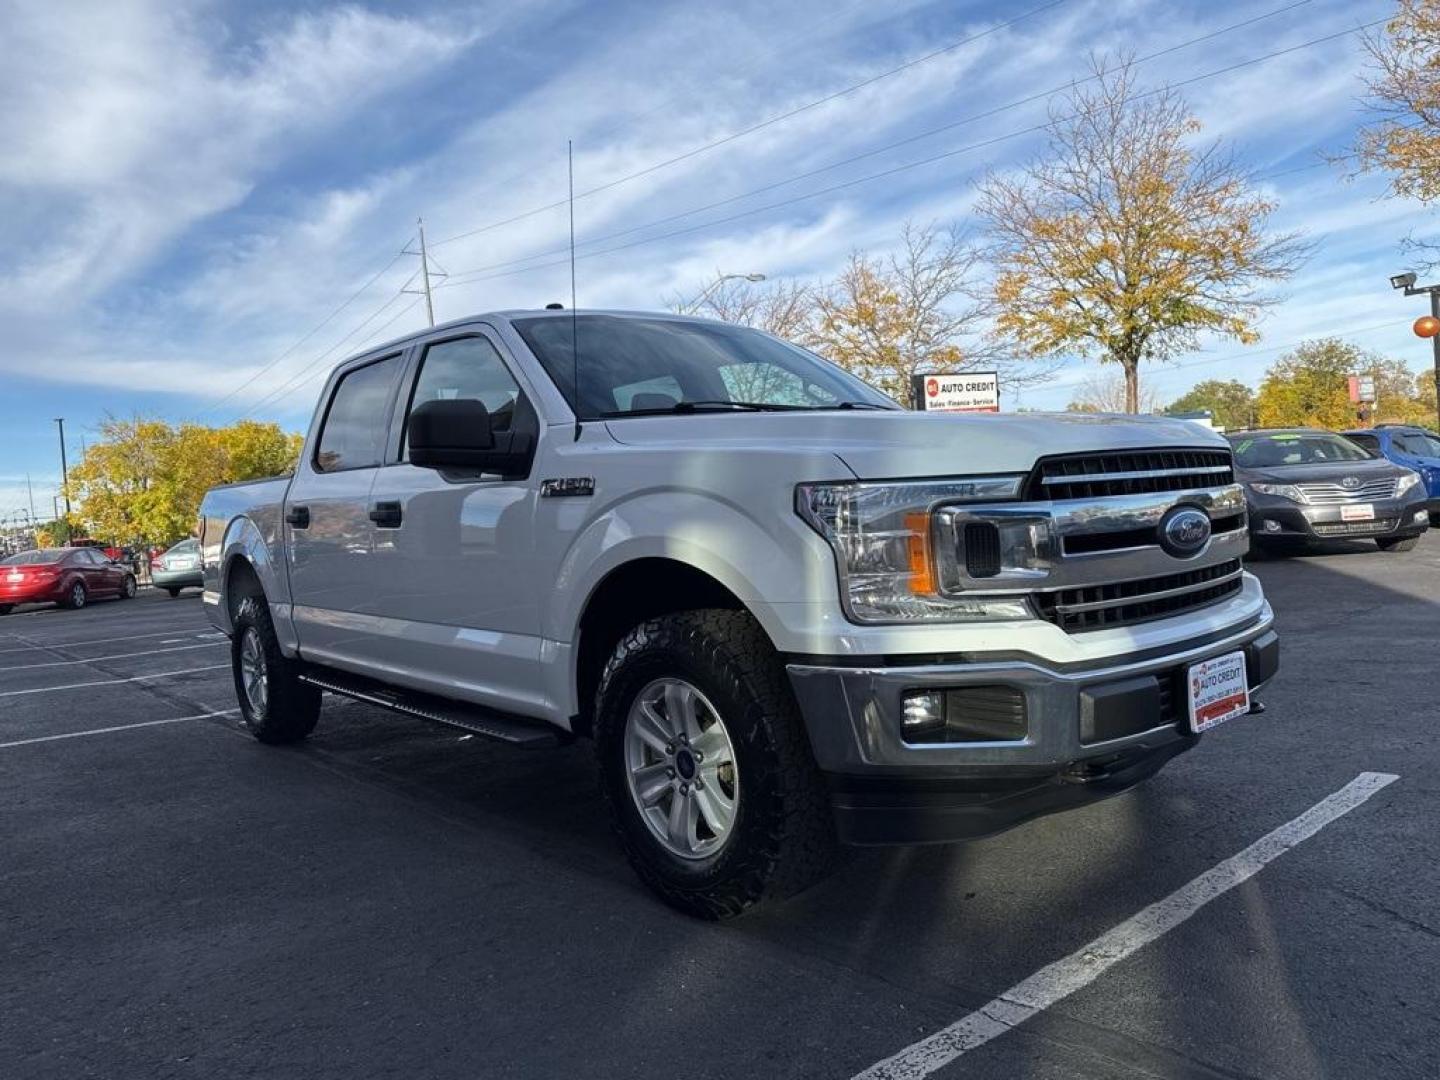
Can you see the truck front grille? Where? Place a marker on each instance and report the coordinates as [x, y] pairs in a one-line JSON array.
[[1123, 603], [1129, 472]]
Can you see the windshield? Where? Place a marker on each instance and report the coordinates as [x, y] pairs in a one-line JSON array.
[[632, 366], [32, 558], [1257, 451]]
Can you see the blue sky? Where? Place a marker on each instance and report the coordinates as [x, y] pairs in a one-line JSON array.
[[186, 190]]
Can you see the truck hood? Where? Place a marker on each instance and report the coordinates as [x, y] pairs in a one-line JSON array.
[[885, 445]]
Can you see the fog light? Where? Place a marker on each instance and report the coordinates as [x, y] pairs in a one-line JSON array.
[[922, 711], [1422, 517], [1271, 526], [961, 715]]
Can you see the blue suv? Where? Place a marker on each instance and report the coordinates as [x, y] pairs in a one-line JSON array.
[[1413, 447]]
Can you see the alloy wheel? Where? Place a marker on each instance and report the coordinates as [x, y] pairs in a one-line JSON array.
[[253, 672], [680, 767]]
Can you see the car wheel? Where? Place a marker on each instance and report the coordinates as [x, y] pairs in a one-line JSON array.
[[174, 593], [127, 590], [1406, 544], [5, 609], [706, 768], [76, 596], [274, 704]]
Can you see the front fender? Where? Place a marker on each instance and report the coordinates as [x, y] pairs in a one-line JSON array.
[[765, 561]]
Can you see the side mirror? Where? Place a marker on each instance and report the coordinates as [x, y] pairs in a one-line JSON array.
[[456, 434]]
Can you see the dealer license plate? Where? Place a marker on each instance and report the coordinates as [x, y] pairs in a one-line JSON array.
[[1363, 512], [1218, 691]]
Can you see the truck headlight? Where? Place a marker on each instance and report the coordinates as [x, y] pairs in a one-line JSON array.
[[883, 537], [1406, 482], [1280, 491]]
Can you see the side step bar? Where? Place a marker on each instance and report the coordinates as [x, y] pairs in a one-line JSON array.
[[476, 719]]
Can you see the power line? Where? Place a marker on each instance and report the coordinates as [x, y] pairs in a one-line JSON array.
[[1028, 99], [734, 135], [293, 381], [898, 168], [312, 331]]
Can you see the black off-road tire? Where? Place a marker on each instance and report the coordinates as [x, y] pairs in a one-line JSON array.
[[1402, 544], [783, 839], [292, 707]]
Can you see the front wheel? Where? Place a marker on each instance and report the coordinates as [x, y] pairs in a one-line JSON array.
[[5, 609], [1406, 544], [706, 768], [274, 704], [127, 590]]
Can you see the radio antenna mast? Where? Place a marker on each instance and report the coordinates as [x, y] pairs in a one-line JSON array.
[[574, 318]]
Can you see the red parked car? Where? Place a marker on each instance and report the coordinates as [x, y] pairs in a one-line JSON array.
[[68, 576]]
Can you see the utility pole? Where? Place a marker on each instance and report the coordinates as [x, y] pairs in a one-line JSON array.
[[64, 468], [30, 493], [425, 274]]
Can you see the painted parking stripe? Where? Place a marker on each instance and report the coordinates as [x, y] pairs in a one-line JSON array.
[[112, 656], [116, 727], [110, 682], [175, 635], [1062, 978]]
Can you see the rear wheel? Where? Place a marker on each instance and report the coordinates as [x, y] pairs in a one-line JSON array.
[[274, 704], [706, 768], [1406, 544], [5, 609], [174, 593], [76, 596]]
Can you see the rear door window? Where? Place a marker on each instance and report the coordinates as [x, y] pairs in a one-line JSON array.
[[353, 433]]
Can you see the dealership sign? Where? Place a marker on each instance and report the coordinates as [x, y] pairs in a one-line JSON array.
[[968, 391]]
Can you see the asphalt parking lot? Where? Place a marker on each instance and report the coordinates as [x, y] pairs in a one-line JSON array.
[[398, 900]]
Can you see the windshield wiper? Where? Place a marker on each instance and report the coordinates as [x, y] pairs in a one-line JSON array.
[[860, 405], [717, 405]]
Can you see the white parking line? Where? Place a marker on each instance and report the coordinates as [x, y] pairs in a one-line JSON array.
[[112, 656], [110, 682], [112, 639], [117, 727], [1082, 967]]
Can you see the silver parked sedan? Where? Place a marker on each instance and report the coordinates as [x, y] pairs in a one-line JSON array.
[[178, 568]]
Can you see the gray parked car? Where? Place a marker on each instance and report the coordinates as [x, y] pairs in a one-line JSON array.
[[178, 568], [1303, 485]]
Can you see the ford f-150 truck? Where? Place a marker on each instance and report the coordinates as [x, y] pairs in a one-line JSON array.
[[790, 614]]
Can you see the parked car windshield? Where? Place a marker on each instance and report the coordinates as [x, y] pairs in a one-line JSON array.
[[33, 558], [631, 366], [1261, 451]]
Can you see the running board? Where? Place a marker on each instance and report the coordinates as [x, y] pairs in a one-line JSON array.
[[476, 719]]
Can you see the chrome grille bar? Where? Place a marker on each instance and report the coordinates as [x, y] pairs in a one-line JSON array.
[[1142, 597], [1143, 474], [1326, 494]]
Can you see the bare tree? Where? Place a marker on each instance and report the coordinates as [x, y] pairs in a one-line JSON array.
[[918, 310], [1125, 241], [1106, 393], [783, 308]]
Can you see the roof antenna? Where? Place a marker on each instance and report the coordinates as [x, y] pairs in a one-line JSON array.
[[574, 323]]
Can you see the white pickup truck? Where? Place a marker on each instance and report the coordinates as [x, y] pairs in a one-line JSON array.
[[790, 614]]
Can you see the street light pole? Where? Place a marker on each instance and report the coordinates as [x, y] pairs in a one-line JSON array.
[[1406, 282], [720, 279], [64, 468]]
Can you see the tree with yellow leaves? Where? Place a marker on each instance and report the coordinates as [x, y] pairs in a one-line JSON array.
[[916, 311], [1403, 94], [1125, 240], [142, 481], [1309, 387]]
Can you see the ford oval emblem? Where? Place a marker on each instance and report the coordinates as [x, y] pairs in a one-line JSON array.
[[1184, 531]]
